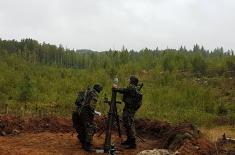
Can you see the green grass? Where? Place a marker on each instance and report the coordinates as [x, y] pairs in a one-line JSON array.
[[169, 94]]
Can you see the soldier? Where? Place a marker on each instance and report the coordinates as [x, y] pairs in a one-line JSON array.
[[83, 117], [132, 103]]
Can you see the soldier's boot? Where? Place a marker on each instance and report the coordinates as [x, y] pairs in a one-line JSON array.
[[132, 144], [81, 139], [126, 142], [88, 147]]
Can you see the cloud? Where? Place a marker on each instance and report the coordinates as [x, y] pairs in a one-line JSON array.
[[104, 24]]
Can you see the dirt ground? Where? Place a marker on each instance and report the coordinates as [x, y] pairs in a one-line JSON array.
[[56, 143], [56, 136]]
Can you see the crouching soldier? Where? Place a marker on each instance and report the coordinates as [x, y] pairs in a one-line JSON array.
[[83, 116], [133, 100]]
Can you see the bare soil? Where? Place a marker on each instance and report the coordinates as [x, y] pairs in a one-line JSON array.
[[53, 135], [57, 143]]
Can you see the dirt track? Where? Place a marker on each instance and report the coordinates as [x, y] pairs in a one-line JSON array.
[[55, 136]]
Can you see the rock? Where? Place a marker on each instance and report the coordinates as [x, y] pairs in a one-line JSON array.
[[179, 138], [47, 125], [156, 152], [1, 124], [15, 132], [3, 133]]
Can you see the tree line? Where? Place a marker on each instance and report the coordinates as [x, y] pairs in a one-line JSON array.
[[196, 59]]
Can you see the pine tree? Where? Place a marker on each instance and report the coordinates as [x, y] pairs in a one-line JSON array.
[[25, 90]]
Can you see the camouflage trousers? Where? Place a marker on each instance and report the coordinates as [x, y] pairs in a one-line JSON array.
[[84, 124], [128, 117]]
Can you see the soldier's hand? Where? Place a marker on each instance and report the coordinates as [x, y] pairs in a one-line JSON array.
[[115, 87]]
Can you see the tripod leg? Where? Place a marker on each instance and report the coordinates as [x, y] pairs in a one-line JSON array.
[[118, 126], [142, 140], [118, 123], [102, 131]]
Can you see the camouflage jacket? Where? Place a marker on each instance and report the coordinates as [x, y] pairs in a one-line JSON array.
[[90, 100], [128, 95]]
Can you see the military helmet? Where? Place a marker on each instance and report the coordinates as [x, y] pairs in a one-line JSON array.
[[98, 87], [134, 80]]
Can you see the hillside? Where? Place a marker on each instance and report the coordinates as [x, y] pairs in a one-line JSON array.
[[179, 84]]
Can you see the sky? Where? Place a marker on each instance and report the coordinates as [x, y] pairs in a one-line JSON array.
[[136, 24]]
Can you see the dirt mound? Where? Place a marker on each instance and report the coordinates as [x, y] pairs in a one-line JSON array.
[[9, 124], [226, 146], [184, 138], [152, 128], [196, 146], [48, 124]]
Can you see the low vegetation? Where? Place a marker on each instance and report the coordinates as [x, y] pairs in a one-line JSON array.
[[179, 84]]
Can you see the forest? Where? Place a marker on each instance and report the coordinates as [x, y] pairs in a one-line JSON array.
[[192, 85]]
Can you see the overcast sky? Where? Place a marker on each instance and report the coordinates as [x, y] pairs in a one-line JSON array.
[[136, 24]]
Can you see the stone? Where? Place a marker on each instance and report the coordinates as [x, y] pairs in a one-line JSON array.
[[16, 132], [156, 152], [3, 133]]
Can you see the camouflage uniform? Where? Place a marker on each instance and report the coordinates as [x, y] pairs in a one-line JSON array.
[[129, 98], [83, 118], [128, 111]]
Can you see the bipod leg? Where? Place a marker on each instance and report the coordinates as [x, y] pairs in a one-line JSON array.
[[142, 140], [102, 131], [118, 124]]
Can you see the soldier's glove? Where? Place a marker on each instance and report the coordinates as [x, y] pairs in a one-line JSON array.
[[115, 86]]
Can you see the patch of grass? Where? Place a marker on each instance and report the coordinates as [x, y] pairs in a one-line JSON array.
[[215, 133]]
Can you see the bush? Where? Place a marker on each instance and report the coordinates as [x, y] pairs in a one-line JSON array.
[[221, 110], [199, 65]]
